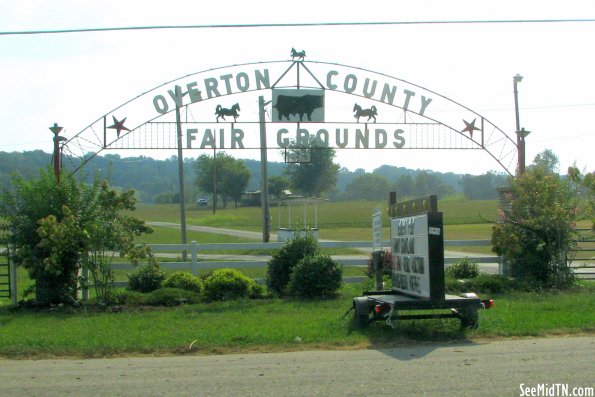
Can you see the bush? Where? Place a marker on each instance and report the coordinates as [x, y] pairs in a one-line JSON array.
[[284, 259], [171, 297], [465, 268], [185, 281], [316, 277], [228, 284], [256, 291], [484, 283], [127, 297], [146, 278]]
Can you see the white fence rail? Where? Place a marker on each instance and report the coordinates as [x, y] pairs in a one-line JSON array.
[[195, 265]]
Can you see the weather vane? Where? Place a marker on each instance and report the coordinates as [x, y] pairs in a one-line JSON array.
[[299, 55]]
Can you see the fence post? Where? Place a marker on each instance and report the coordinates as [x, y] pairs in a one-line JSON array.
[[194, 256]]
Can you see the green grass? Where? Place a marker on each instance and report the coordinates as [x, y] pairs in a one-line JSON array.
[[273, 325], [330, 215], [167, 235]]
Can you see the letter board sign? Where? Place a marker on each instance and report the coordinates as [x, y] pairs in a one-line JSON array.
[[417, 244]]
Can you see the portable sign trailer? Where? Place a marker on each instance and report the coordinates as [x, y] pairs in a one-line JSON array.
[[417, 246]]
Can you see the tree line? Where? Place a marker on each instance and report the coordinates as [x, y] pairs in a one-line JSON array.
[[156, 181]]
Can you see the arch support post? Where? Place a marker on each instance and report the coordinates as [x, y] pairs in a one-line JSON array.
[[264, 183], [181, 180]]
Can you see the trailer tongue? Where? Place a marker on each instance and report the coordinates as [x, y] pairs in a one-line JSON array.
[[417, 246]]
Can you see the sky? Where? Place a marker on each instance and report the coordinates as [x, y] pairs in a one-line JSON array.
[[74, 79]]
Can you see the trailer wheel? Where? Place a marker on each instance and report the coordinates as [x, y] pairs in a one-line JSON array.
[[469, 318], [361, 312]]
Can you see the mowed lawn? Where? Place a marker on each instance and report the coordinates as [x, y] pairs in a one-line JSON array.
[[341, 220], [275, 325]]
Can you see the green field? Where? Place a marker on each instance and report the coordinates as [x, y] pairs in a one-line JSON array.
[[343, 220]]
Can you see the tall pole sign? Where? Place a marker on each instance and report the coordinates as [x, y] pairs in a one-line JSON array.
[[264, 183], [519, 139], [181, 178]]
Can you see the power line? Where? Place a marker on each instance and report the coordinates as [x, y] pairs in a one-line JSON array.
[[299, 25]]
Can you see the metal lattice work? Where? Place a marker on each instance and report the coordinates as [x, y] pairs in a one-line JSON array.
[[388, 113]]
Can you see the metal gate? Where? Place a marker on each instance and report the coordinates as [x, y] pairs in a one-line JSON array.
[[581, 259], [5, 284], [7, 273]]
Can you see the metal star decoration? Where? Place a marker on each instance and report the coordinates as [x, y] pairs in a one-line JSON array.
[[470, 127], [118, 125]]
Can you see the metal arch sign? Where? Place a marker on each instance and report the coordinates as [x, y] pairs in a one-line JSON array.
[[341, 106]]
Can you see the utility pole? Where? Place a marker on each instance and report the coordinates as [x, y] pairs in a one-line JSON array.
[[520, 140], [181, 177], [214, 179], [264, 183]]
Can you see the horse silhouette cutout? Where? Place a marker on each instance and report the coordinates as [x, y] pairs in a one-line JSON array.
[[299, 55], [222, 112], [370, 113]]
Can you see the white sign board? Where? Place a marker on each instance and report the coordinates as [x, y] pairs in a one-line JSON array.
[[410, 249], [377, 231]]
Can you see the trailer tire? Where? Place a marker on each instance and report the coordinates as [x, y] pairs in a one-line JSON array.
[[361, 311], [470, 318]]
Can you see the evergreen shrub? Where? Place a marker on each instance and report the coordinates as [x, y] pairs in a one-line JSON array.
[[316, 277], [185, 281], [228, 284], [465, 268], [146, 278], [284, 259], [171, 297]]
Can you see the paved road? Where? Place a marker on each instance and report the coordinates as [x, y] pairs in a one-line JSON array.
[[468, 369], [215, 230]]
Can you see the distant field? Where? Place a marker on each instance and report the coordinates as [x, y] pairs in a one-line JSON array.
[[330, 215]]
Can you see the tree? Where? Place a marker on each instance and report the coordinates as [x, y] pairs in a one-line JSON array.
[[110, 230], [427, 183], [234, 179], [232, 176], [537, 232], [45, 222], [278, 185], [547, 160], [165, 198], [57, 228], [316, 176], [405, 185], [482, 187], [368, 187]]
